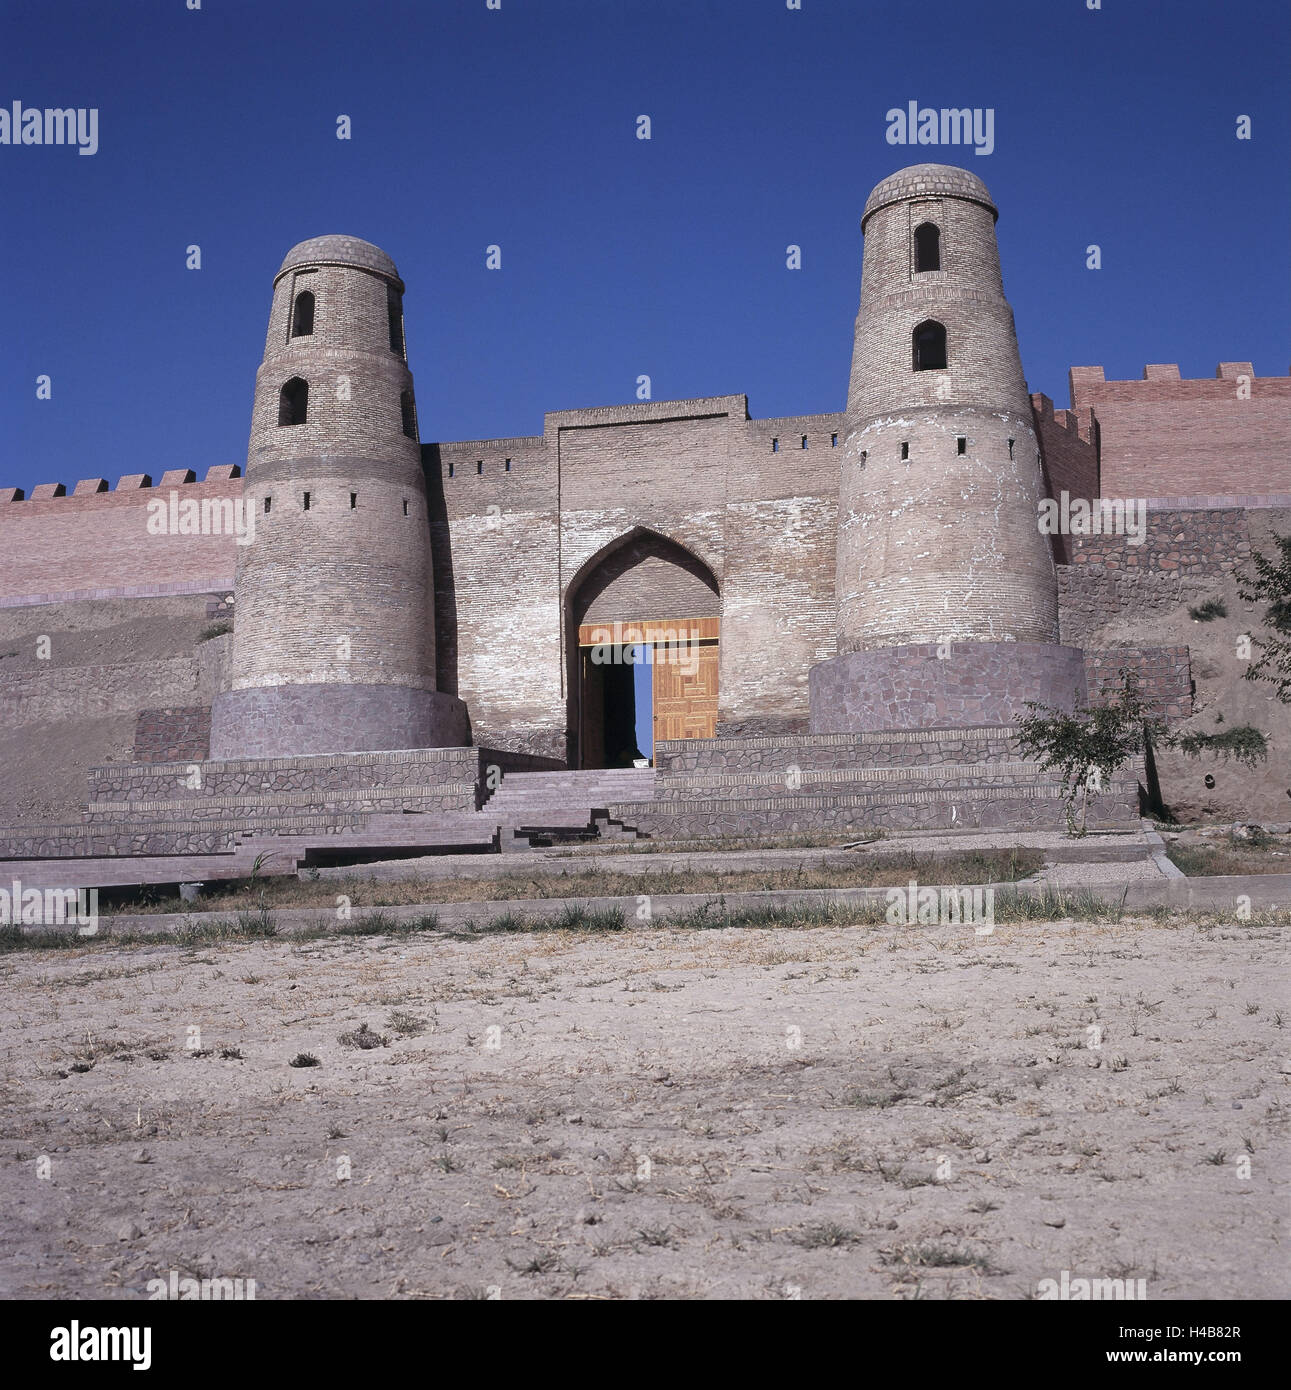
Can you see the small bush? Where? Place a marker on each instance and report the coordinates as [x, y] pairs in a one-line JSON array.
[[304, 1059], [1208, 611], [363, 1037], [214, 630]]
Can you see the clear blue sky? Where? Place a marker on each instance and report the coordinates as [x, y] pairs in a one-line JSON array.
[[620, 257]]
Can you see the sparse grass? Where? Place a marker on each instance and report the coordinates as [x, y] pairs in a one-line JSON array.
[[932, 1254], [889, 870], [1045, 905], [825, 1237], [1241, 741], [1259, 854], [217, 629], [405, 1024]]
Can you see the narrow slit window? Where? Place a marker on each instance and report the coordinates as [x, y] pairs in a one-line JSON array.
[[804, 441], [905, 450], [450, 468], [408, 414], [1011, 443], [479, 465], [307, 501], [354, 501], [508, 465], [775, 446], [961, 445], [833, 441], [268, 502], [405, 506], [394, 315]]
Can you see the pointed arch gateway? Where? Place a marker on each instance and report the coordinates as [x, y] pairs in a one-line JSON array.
[[642, 620]]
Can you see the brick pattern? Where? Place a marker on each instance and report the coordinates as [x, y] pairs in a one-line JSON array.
[[166, 735], [935, 543], [1167, 437], [1164, 677], [57, 549], [1069, 444], [334, 645]]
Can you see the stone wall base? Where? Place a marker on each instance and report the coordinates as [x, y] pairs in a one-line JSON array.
[[930, 686], [286, 721]]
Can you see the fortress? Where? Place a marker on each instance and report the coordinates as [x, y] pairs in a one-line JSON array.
[[843, 614]]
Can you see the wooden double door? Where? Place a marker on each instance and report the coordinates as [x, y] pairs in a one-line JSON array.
[[683, 660]]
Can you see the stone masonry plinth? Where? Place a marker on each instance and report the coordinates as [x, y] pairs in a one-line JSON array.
[[285, 721], [970, 683]]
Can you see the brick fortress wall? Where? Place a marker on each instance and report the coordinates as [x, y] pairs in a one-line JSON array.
[[1167, 436]]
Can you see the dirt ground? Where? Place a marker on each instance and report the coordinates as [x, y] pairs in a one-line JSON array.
[[826, 1113]]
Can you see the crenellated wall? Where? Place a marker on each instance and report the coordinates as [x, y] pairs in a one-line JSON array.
[[93, 543], [1169, 436]]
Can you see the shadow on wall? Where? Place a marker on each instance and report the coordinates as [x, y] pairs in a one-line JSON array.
[[442, 570]]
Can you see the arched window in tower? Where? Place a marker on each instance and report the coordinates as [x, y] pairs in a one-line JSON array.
[[293, 402], [394, 313], [927, 247], [929, 346], [302, 315], [408, 412]]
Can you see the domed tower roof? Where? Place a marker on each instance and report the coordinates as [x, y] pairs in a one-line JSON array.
[[339, 250], [928, 181]]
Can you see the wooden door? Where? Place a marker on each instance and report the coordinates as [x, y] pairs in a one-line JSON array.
[[685, 692]]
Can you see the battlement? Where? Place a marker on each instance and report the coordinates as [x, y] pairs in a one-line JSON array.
[[128, 483], [95, 543], [1161, 381], [1165, 435]]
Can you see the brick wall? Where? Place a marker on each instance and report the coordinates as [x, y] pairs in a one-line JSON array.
[[1166, 436], [522, 553], [1069, 443], [95, 544]]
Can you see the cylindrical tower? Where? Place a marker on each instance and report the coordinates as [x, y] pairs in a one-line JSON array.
[[334, 640], [939, 543]]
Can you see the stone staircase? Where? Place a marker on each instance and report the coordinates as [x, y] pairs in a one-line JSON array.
[[896, 780], [545, 807]]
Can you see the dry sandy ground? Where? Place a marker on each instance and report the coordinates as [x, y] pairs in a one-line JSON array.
[[863, 1113]]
